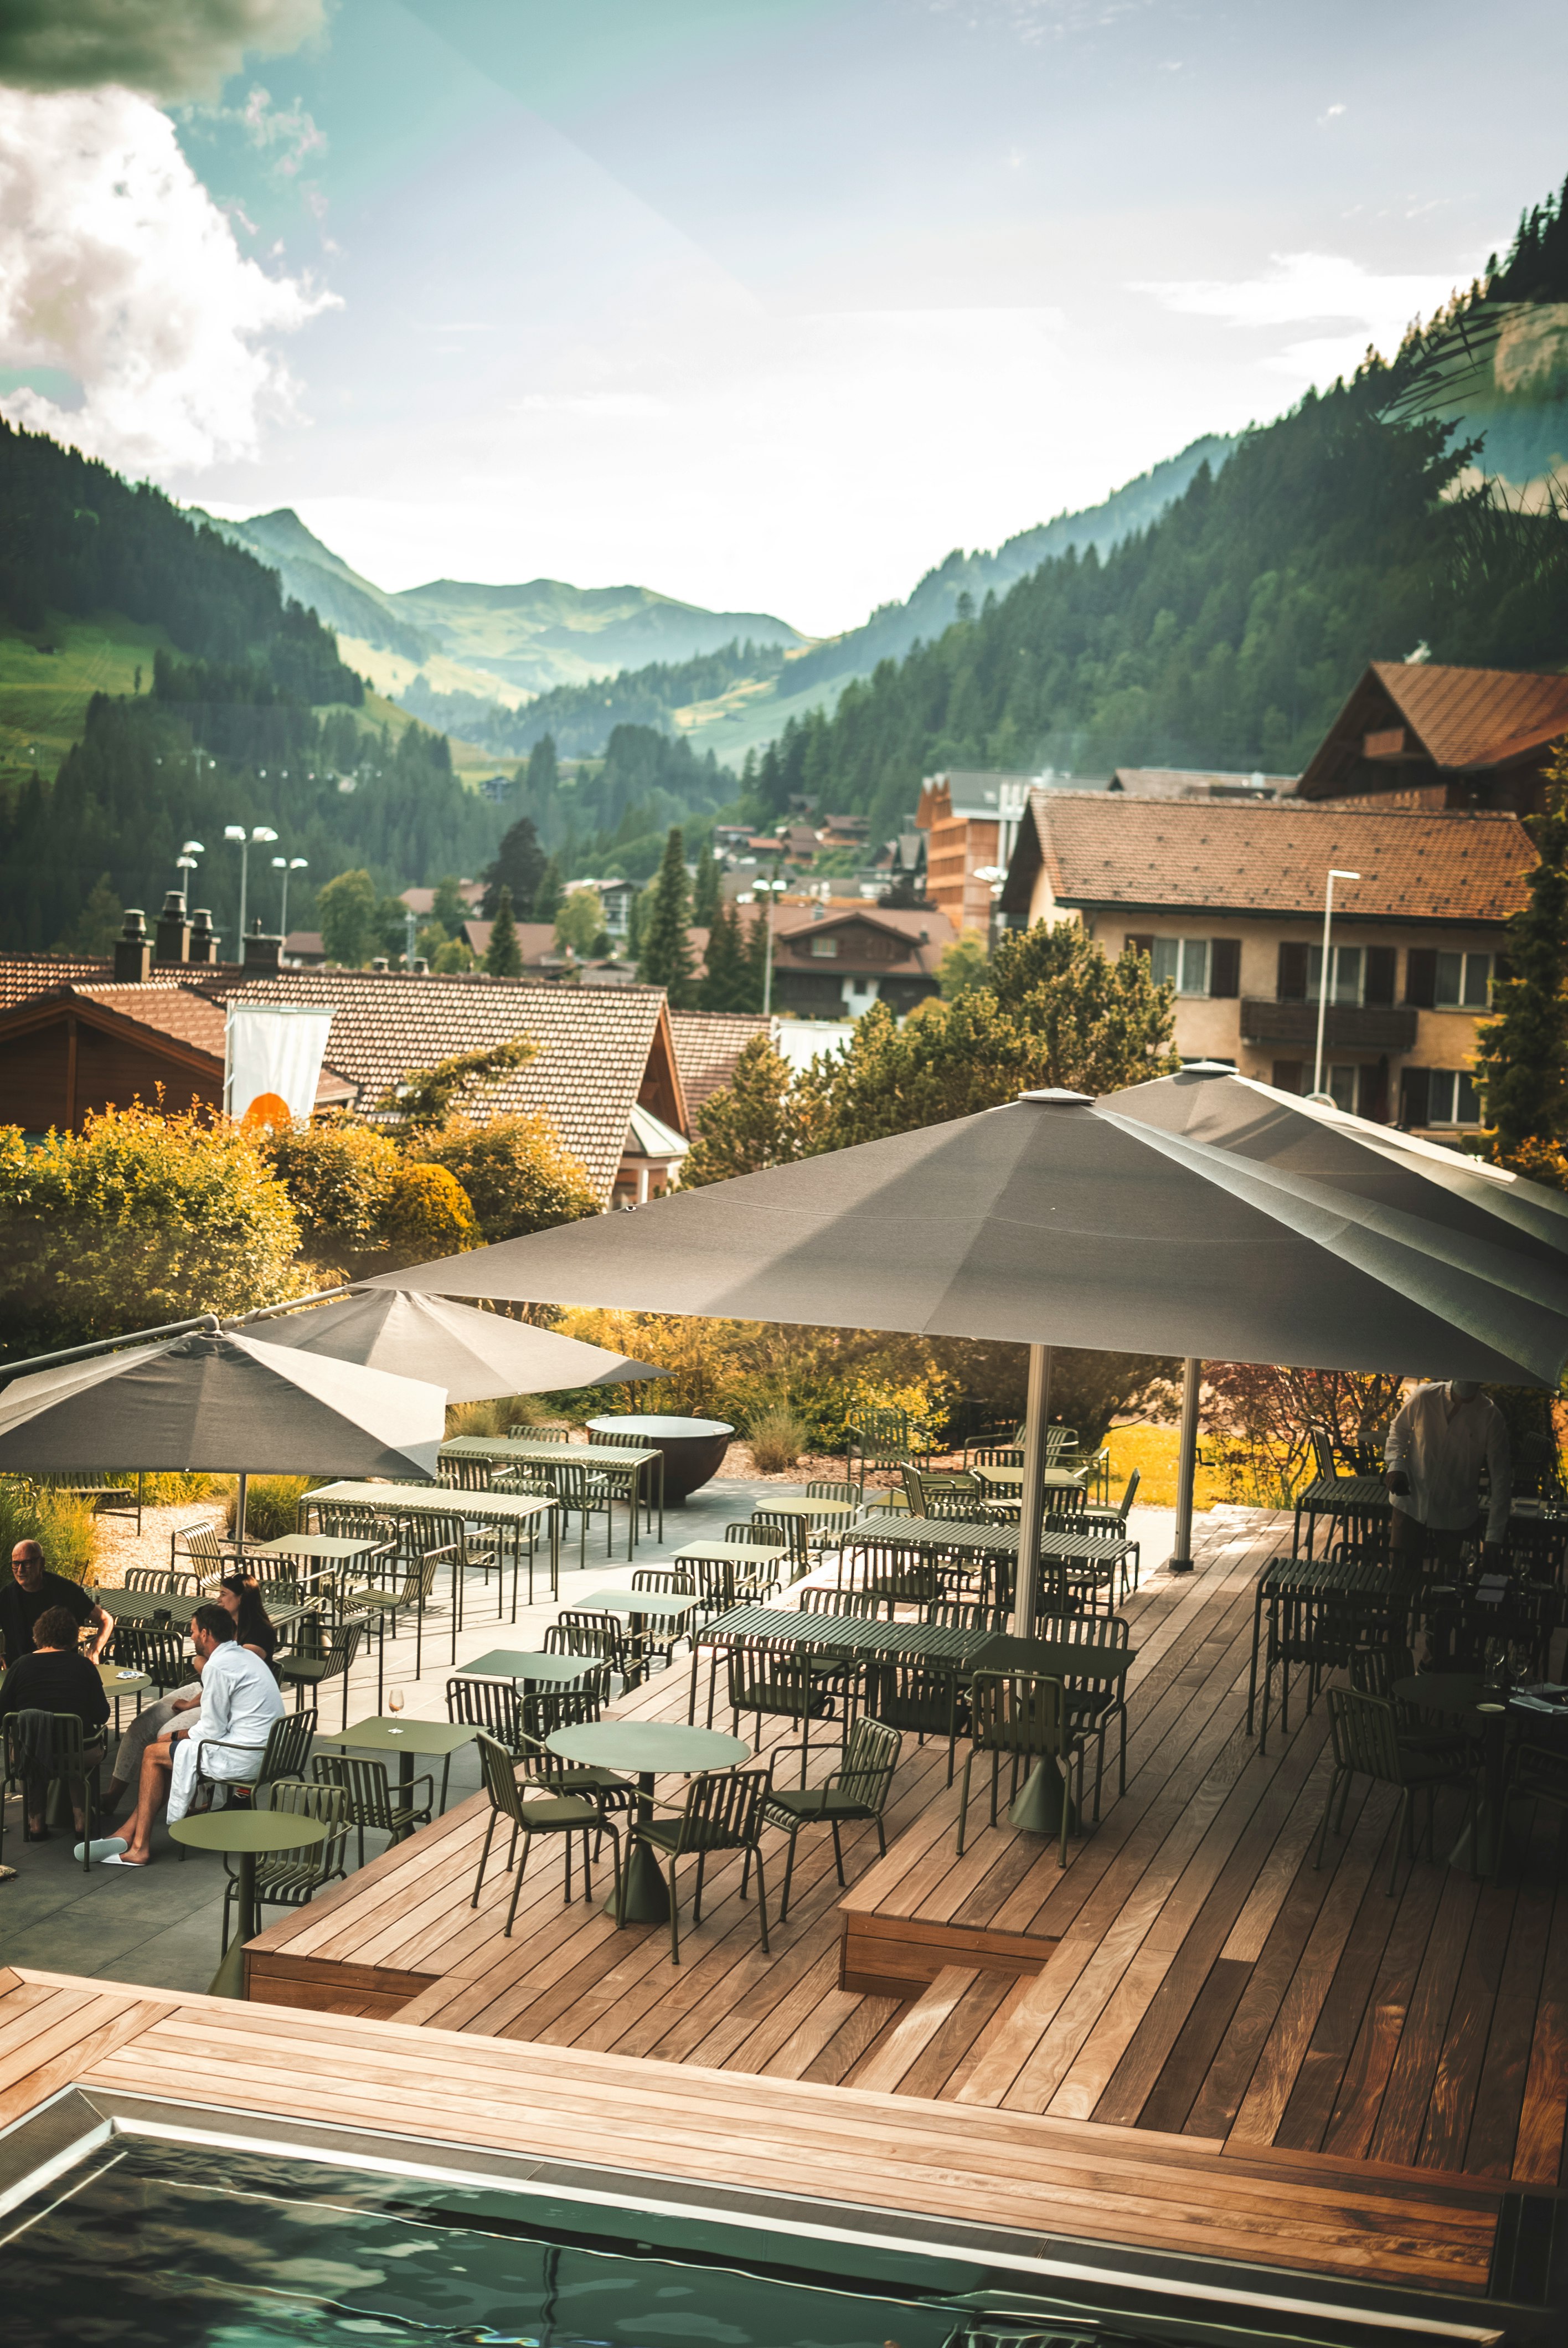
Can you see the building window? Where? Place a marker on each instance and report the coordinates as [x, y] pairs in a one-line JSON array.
[[1185, 962], [1346, 979], [1451, 1096], [1339, 1084], [825, 948], [1463, 983]]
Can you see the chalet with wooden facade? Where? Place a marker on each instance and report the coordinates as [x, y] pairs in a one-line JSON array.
[[1228, 900], [833, 962], [1416, 735]]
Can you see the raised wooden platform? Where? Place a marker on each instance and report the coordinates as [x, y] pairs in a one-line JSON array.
[[1050, 2180], [1189, 1974]]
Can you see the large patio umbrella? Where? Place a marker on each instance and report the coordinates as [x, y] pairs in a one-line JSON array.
[[475, 1356], [224, 1402], [1056, 1221], [1208, 1102]]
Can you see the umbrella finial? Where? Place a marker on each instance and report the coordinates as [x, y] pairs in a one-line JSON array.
[[1057, 1097]]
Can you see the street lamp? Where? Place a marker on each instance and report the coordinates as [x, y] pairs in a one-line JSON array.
[[285, 865], [768, 889], [186, 860], [1323, 1099], [260, 833]]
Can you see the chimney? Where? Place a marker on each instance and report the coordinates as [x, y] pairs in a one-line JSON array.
[[421, 966], [262, 951], [173, 931], [132, 950], [204, 940], [380, 964]]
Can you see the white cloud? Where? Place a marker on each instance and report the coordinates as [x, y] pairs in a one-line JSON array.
[[1315, 289], [170, 48], [117, 269]]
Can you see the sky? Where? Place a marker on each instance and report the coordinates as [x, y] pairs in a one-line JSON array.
[[763, 303]]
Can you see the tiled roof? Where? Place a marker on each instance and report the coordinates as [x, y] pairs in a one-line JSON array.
[[182, 1013], [23, 975], [1193, 782], [594, 1044], [707, 1046], [927, 931], [535, 939], [1475, 716], [1227, 856]]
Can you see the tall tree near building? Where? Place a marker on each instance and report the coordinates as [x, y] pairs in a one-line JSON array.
[[1522, 1054], [547, 895], [504, 955], [706, 895], [347, 910], [728, 983], [666, 944], [519, 867], [759, 1118], [544, 769]]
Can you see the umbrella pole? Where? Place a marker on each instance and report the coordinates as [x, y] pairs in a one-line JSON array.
[[1181, 1557], [1032, 1513], [240, 1514]]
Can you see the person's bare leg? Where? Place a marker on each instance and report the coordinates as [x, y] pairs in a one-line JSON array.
[[152, 1792]]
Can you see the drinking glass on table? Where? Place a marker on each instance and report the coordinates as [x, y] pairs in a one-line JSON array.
[[394, 1701]]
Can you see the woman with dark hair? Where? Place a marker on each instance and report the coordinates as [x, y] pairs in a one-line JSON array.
[[240, 1595], [56, 1678]]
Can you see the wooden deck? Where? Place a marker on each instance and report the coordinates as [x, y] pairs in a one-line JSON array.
[[1054, 2182], [1189, 1974]]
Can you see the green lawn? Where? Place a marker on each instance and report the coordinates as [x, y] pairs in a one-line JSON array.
[[44, 694]]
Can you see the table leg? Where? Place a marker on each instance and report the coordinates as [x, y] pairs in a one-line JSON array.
[[1038, 1810], [405, 1791], [228, 1981], [1479, 1845], [646, 1899], [1252, 1672]]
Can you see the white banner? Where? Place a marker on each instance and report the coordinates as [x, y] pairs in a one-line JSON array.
[[274, 1056]]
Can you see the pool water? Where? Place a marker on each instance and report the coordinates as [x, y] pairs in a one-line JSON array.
[[148, 2245]]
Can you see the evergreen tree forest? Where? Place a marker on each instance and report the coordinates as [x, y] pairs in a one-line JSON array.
[[612, 818]]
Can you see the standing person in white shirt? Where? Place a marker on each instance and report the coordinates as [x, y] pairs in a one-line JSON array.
[[240, 1701], [1437, 1445]]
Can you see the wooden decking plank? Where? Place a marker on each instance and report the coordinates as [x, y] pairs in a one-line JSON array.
[[1359, 2098], [913, 2032], [1499, 2098], [1170, 2100], [1450, 2103], [1402, 2118], [1538, 2153]]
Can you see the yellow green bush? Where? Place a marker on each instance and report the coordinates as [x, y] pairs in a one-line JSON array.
[[427, 1214], [63, 1528], [272, 1506]]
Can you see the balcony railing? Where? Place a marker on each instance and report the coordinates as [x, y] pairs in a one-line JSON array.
[[1350, 1026]]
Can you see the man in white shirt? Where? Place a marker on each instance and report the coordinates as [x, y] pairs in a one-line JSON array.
[[240, 1701], [1437, 1445]]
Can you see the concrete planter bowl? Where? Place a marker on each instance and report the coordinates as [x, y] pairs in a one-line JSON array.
[[693, 1448]]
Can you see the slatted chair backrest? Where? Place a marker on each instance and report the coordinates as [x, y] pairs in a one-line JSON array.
[[546, 1710], [200, 1544], [852, 1493], [496, 1768], [999, 1455], [884, 1434], [1375, 1671], [788, 1533], [748, 1528], [1065, 1629], [160, 1654], [863, 1604], [1068, 1500], [1058, 1439], [921, 1696], [663, 1581], [583, 1631], [723, 1809], [914, 1490], [1365, 1733], [865, 1773], [364, 1785], [1323, 1458], [547, 1431], [965, 1615], [1124, 1505], [467, 1475], [288, 1748], [618, 1439], [494, 1706], [342, 1648], [60, 1754], [150, 1577], [324, 1862], [774, 1679], [1017, 1712]]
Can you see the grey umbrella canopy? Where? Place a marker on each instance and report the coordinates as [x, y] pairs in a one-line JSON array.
[[223, 1402], [1375, 1163], [475, 1356], [1057, 1220]]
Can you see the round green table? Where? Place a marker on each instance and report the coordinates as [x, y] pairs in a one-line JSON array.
[[648, 1747], [245, 1834]]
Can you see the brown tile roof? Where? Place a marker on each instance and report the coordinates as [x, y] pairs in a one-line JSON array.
[[23, 975], [595, 1044], [1225, 856], [1475, 716], [707, 1046], [928, 929], [1193, 782], [185, 1013]]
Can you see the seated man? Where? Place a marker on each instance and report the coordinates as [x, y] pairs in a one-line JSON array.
[[240, 1701], [31, 1590]]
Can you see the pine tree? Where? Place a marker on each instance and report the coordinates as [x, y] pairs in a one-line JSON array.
[[549, 890], [706, 895], [667, 944], [754, 1121], [756, 959], [544, 769], [1522, 1054], [504, 955], [726, 984], [518, 867]]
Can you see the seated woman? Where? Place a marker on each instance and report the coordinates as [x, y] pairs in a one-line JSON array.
[[239, 1595], [56, 1678]]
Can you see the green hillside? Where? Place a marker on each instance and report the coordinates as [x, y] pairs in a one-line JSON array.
[[49, 674]]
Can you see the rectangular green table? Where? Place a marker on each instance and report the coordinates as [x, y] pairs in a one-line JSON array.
[[430, 1739], [532, 1670], [513, 1513], [620, 1463]]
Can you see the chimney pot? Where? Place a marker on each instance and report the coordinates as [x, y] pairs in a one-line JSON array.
[[204, 940], [262, 953], [173, 934], [133, 949]]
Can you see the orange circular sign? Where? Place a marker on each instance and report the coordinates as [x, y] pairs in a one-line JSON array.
[[266, 1109]]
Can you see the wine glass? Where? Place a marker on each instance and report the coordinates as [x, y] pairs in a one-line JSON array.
[[395, 1700]]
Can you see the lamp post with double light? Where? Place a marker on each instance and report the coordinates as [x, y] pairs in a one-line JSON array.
[[260, 834], [1322, 1099], [285, 865], [186, 860]]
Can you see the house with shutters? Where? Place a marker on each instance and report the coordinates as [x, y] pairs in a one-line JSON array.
[[1226, 900], [834, 960]]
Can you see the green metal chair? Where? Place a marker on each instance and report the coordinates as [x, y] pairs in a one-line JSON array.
[[283, 1757], [779, 1683], [412, 1596], [549, 1813], [494, 1706], [789, 1532], [659, 1641], [1023, 1718], [311, 1667], [1366, 1744], [57, 1754], [724, 1811], [368, 1798], [857, 1790], [878, 1438], [753, 1584], [288, 1878], [923, 1698]]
